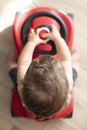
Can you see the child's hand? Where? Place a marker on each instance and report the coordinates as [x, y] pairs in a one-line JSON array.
[[34, 37], [54, 34]]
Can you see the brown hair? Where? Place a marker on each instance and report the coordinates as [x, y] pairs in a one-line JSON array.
[[45, 86]]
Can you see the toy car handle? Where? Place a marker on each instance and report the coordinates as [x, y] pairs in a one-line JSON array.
[[27, 23]]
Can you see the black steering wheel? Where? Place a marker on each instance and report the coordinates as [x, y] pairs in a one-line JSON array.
[[27, 23]]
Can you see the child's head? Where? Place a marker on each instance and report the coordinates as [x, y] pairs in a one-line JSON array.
[[45, 86]]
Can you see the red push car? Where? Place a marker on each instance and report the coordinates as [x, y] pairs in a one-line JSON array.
[[41, 17]]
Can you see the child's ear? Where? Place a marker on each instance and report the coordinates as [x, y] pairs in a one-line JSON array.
[[68, 98]]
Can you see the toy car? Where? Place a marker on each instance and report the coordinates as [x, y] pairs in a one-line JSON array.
[[41, 17]]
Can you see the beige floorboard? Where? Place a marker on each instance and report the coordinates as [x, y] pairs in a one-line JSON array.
[[79, 119]]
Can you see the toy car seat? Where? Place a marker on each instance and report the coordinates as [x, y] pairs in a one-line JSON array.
[[41, 17]]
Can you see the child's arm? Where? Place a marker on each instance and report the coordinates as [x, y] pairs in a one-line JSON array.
[[25, 57], [63, 52], [62, 49]]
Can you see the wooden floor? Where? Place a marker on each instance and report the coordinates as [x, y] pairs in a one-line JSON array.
[[79, 119]]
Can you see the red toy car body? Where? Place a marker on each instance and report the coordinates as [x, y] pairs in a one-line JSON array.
[[41, 17]]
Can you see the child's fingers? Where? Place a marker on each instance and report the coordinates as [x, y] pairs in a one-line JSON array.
[[32, 30], [30, 34], [53, 27], [47, 35], [38, 31]]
